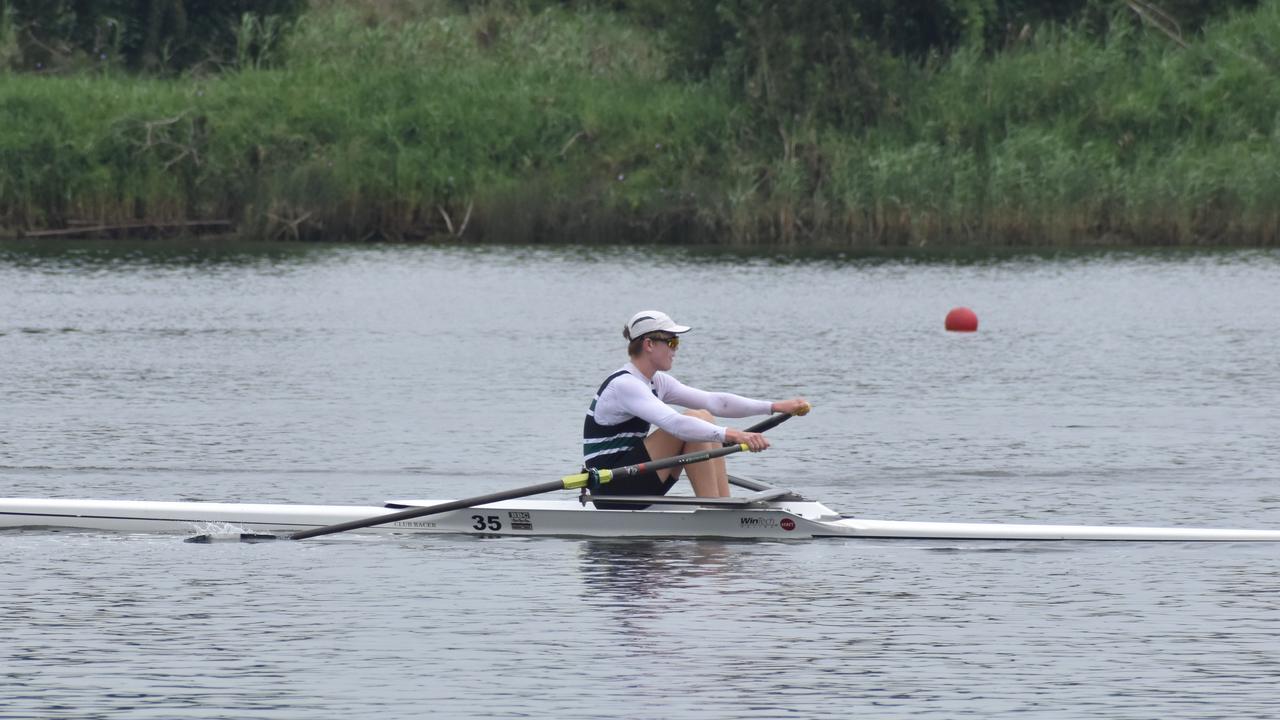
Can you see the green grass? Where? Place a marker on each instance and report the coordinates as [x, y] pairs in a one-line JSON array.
[[405, 121]]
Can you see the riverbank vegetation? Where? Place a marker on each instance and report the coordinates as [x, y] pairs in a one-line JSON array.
[[741, 122]]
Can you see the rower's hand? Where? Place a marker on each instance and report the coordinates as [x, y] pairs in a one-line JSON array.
[[794, 406], [755, 442]]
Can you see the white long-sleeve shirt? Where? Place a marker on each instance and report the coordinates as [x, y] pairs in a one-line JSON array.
[[634, 395]]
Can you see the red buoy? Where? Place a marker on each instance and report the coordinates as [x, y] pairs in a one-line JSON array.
[[962, 319]]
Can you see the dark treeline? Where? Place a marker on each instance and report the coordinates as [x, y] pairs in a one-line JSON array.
[[159, 36], [826, 59], [805, 56]]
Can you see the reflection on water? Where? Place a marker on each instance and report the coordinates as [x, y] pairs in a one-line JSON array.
[[619, 569]]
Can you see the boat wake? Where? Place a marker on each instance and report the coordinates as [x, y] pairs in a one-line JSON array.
[[212, 532]]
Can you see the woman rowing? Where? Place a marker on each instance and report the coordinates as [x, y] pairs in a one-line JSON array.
[[616, 430]]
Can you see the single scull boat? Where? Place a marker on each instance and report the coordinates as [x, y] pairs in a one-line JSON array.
[[767, 513]]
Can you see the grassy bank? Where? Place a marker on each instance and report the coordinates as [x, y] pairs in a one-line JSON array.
[[500, 125]]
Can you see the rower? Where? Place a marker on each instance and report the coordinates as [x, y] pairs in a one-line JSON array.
[[634, 398]]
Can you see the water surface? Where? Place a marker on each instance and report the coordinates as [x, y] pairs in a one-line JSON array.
[[1127, 389]]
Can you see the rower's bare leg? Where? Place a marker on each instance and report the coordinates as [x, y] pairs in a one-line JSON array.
[[713, 477], [710, 478], [722, 475]]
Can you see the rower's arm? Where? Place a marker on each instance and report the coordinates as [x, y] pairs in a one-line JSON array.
[[631, 396], [720, 404]]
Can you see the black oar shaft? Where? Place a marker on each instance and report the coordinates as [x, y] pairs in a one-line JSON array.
[[569, 482], [431, 510], [661, 464], [772, 421]]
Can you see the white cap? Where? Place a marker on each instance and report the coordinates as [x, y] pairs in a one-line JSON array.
[[649, 321]]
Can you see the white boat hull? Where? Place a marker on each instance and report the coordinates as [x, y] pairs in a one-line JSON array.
[[785, 520]]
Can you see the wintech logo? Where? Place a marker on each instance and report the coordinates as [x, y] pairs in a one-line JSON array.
[[785, 523]]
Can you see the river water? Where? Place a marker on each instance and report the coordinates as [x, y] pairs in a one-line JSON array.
[[1100, 389]]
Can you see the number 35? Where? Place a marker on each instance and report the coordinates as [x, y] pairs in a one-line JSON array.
[[487, 523]]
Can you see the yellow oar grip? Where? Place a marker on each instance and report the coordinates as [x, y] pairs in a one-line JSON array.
[[573, 482]]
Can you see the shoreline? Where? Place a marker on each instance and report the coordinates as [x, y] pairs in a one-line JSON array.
[[572, 125]]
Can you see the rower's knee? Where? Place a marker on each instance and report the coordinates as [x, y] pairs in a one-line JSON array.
[[700, 446]]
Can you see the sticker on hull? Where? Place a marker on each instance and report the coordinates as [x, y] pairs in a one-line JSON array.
[[520, 520], [769, 523]]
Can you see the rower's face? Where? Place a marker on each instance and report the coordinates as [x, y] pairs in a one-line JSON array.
[[663, 351]]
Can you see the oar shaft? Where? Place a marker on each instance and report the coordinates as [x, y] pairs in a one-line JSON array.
[[654, 465], [569, 482], [770, 422], [430, 510]]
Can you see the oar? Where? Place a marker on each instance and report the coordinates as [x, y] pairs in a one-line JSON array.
[[568, 482]]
